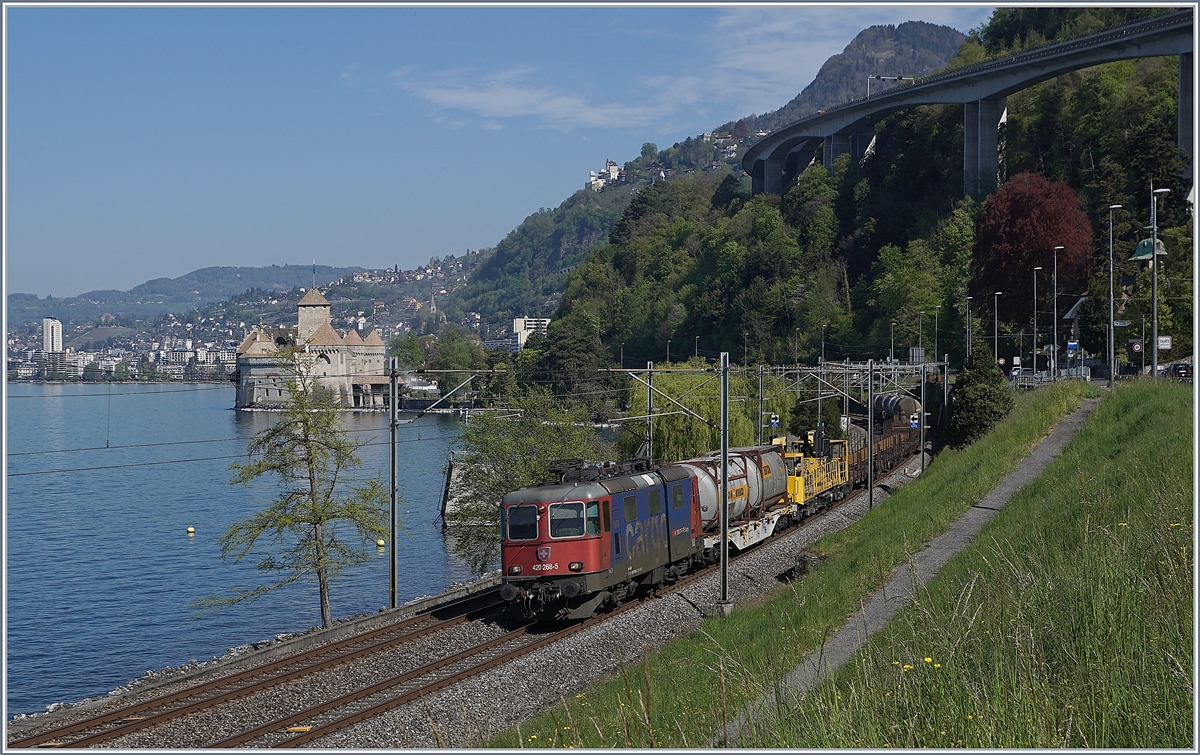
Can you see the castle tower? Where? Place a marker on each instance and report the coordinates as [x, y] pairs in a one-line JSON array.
[[313, 312]]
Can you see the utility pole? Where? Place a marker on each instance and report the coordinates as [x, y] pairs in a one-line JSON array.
[[725, 605], [870, 434], [650, 411], [1056, 311], [1154, 195], [393, 392], [1112, 342], [760, 405], [921, 416]]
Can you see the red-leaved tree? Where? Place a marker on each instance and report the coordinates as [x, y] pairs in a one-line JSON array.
[[1021, 224]]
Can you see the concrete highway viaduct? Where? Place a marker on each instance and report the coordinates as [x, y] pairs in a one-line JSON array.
[[981, 89]]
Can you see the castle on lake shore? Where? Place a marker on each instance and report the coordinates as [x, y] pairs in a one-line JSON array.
[[350, 365]]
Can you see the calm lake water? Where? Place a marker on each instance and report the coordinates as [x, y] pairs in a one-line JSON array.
[[100, 569]]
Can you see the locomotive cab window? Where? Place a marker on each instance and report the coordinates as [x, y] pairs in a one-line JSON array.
[[566, 519], [522, 523], [593, 518]]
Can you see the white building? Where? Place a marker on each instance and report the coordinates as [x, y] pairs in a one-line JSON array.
[[51, 334], [523, 327]]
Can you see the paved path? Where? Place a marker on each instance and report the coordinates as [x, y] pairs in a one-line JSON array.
[[900, 588]]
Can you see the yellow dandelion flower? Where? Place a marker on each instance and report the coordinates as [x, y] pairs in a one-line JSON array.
[[895, 663], [566, 728], [533, 736], [943, 732], [929, 660], [970, 717], [1122, 524], [907, 667], [937, 665]]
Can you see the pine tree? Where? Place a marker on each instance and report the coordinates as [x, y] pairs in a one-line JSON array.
[[980, 399]]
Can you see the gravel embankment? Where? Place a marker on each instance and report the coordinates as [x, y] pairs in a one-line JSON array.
[[465, 714]]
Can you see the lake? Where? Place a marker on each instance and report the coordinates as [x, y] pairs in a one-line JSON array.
[[103, 482]]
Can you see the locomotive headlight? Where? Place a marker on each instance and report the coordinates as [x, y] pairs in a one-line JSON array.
[[576, 566], [514, 569]]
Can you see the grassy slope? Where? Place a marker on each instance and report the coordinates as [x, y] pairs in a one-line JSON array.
[[738, 657], [1067, 623]]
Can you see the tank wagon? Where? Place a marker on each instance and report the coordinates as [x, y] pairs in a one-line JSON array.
[[599, 533]]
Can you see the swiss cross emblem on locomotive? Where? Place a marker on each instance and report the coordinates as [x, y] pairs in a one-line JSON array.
[[543, 553]]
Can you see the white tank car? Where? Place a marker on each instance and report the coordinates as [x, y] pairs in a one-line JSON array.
[[757, 481]]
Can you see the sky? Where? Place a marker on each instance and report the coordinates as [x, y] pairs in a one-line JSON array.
[[147, 142]]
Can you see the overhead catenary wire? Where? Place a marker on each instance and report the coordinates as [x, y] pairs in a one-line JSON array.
[[206, 458]]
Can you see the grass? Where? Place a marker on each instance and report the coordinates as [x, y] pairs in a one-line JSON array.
[[681, 695], [1067, 623]]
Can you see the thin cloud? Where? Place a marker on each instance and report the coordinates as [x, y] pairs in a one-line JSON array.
[[515, 93]]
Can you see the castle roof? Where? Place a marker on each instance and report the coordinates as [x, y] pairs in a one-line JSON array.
[[325, 336], [373, 339], [264, 341], [313, 299], [352, 338]]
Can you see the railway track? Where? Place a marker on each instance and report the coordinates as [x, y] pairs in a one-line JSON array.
[[131, 718], [344, 710]]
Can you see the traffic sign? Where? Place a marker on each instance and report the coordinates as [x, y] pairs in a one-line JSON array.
[[1072, 345], [1164, 343], [1001, 361], [1121, 323], [1137, 346]]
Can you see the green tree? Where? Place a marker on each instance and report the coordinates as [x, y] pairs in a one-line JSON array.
[[503, 451], [407, 348], [319, 524], [649, 150], [980, 399]]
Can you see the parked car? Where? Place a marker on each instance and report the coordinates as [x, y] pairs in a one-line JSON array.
[[1181, 371]]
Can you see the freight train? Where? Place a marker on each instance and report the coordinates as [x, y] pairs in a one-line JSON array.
[[599, 533]]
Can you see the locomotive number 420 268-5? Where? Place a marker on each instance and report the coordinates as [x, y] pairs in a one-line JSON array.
[[545, 567]]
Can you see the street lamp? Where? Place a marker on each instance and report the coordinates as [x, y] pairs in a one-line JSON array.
[[921, 334], [1112, 353], [622, 355], [886, 78], [935, 320], [1056, 310], [969, 327], [1154, 195], [1035, 272], [996, 325], [892, 348], [668, 351]]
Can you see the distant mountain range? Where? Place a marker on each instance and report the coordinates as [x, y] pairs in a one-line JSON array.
[[162, 295]]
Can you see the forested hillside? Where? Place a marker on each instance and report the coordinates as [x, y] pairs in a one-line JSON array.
[[861, 251]]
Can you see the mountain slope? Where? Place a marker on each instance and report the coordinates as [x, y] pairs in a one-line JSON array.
[[914, 48]]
